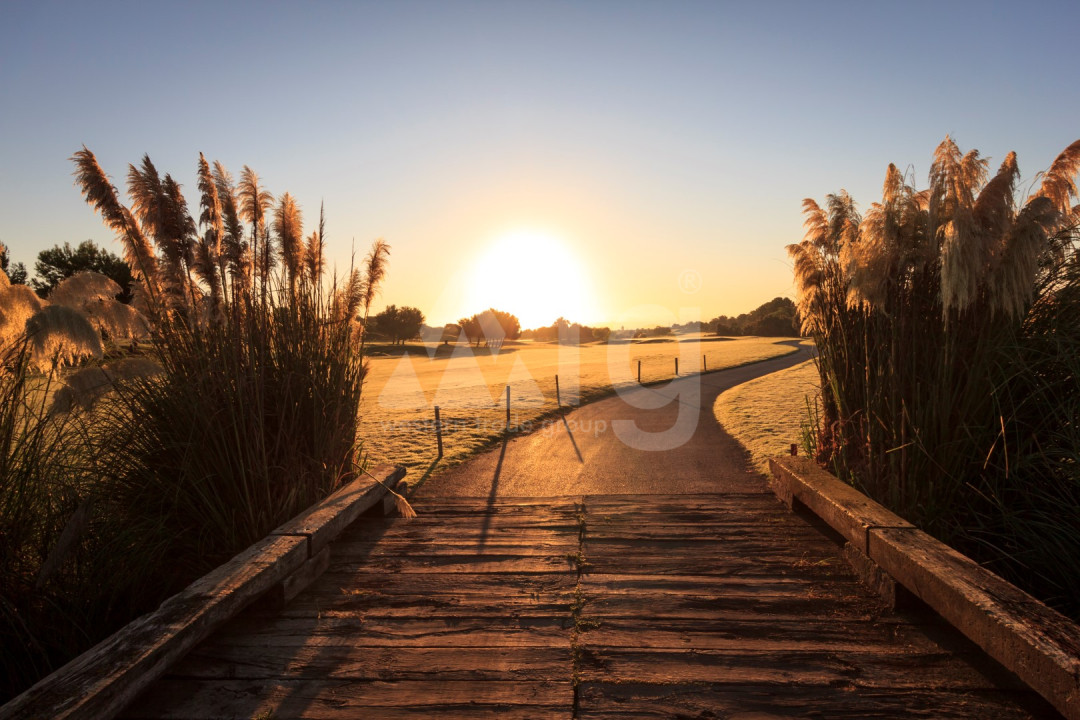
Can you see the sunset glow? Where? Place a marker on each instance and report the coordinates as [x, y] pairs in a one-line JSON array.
[[533, 275]]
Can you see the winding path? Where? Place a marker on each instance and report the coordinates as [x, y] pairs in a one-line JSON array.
[[655, 439]]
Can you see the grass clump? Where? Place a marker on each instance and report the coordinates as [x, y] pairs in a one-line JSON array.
[[948, 326], [121, 483]]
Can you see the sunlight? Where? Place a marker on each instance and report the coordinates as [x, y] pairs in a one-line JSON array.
[[534, 276]]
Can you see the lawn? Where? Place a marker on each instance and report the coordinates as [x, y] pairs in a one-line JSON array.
[[766, 415], [404, 385]]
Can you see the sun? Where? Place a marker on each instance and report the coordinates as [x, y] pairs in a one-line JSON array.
[[534, 276]]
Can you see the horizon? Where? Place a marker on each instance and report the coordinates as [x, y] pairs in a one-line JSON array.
[[658, 158]]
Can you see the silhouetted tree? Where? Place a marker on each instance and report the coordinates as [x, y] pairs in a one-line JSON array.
[[398, 324], [16, 272], [59, 262]]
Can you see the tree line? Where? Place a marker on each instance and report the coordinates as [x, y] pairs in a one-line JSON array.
[[776, 318]]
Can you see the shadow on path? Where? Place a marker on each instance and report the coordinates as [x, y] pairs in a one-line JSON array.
[[486, 527]]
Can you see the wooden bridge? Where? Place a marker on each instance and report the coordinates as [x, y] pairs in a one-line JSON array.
[[596, 606]]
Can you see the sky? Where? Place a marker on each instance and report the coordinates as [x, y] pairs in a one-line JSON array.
[[616, 163]]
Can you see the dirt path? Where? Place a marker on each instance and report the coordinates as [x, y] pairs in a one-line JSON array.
[[648, 440]]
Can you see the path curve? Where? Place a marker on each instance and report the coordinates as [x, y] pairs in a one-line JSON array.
[[656, 439]]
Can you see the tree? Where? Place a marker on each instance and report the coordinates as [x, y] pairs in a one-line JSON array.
[[16, 272], [492, 326], [471, 327], [398, 324], [58, 263]]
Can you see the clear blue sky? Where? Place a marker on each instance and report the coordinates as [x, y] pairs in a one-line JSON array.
[[647, 139]]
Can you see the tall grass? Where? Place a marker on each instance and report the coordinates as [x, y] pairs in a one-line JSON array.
[[948, 330], [113, 497]]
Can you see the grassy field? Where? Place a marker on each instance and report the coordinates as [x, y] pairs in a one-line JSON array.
[[767, 414], [469, 386]]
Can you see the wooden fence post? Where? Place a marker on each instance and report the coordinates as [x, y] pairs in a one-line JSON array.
[[558, 397], [704, 365], [438, 430], [639, 372], [508, 408], [676, 366]]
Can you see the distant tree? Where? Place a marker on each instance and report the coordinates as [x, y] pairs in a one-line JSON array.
[[566, 333], [504, 323], [58, 263], [471, 327], [397, 324], [491, 326], [410, 320], [776, 318], [16, 272], [450, 333]]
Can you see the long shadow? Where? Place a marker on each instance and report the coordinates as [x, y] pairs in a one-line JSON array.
[[486, 527], [414, 486], [572, 440]]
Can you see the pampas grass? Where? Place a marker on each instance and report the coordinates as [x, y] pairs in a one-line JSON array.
[[143, 473], [940, 318], [60, 335]]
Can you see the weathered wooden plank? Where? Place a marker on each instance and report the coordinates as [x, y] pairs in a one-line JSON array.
[[349, 551], [866, 667], [1037, 643], [634, 701], [763, 565], [341, 662], [366, 631], [810, 634], [462, 563], [420, 585], [745, 607], [372, 603], [735, 586], [183, 699], [844, 508], [326, 520]]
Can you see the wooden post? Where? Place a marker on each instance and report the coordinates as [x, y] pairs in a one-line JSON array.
[[676, 366], [639, 372], [558, 397], [438, 430], [507, 408], [704, 365], [794, 449]]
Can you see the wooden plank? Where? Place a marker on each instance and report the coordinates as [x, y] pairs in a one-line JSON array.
[[341, 662], [463, 563], [866, 667], [183, 699], [1037, 643], [745, 607], [326, 519], [639, 701], [107, 677], [844, 508], [367, 631], [810, 634], [349, 551]]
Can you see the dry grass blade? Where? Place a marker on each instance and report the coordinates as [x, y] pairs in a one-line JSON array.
[[68, 542], [400, 503]]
